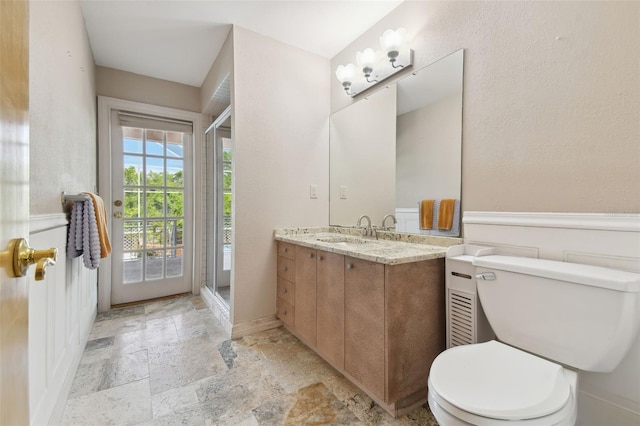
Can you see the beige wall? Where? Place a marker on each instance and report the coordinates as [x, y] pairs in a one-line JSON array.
[[551, 99], [428, 153], [281, 138], [62, 105], [139, 88]]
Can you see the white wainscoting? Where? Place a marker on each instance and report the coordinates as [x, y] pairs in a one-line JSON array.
[[609, 240], [62, 309]]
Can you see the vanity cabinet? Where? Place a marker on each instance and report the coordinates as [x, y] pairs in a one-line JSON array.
[[285, 302], [364, 323], [305, 299], [380, 325], [330, 311]]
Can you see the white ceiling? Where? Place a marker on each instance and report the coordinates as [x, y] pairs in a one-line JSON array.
[[178, 40]]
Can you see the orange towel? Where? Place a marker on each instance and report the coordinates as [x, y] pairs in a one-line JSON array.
[[445, 214], [101, 220], [426, 214]]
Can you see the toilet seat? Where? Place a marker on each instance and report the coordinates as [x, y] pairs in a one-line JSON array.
[[449, 415], [493, 383]]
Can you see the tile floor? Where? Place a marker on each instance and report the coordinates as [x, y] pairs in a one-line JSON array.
[[169, 363]]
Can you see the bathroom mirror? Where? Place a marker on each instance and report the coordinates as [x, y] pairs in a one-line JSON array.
[[398, 146]]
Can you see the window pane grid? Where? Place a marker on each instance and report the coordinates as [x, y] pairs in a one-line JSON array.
[[154, 193]]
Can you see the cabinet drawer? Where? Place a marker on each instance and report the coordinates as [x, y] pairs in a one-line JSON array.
[[286, 290], [286, 268], [287, 250], [286, 312]]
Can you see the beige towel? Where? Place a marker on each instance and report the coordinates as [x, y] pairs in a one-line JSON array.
[[445, 214], [426, 214], [101, 220]]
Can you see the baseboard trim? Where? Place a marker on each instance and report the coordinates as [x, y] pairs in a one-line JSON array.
[[255, 326]]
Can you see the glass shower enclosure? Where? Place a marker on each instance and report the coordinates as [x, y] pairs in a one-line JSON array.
[[219, 177]]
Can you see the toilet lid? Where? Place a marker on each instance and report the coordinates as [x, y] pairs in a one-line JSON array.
[[495, 380]]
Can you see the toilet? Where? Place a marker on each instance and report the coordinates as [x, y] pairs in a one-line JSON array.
[[551, 319]]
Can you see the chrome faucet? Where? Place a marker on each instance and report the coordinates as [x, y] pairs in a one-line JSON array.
[[367, 230], [364, 216], [385, 219]]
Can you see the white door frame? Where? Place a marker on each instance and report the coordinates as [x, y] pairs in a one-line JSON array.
[[106, 106]]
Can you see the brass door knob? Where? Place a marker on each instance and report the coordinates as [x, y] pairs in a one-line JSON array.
[[24, 256]]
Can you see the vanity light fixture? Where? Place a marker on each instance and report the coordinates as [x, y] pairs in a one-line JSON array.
[[346, 74], [367, 59], [392, 41], [374, 68]]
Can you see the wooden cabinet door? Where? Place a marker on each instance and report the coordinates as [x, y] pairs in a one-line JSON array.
[[330, 307], [415, 325], [305, 297], [364, 323]]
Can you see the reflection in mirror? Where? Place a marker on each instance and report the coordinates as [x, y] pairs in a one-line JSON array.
[[425, 146], [362, 159]]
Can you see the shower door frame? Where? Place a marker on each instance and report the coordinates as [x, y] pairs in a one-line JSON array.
[[214, 207]]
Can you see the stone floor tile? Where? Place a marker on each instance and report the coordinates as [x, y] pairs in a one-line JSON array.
[[195, 375], [123, 405], [194, 323], [199, 303], [115, 326], [182, 363], [120, 313], [130, 342], [236, 392], [160, 330], [192, 415], [242, 419], [88, 378], [273, 412], [124, 369], [174, 399], [315, 404], [168, 307], [98, 350]]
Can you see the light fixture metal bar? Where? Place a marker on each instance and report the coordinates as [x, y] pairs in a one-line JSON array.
[[382, 71]]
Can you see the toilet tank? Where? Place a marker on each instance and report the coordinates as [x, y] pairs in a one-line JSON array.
[[579, 315]]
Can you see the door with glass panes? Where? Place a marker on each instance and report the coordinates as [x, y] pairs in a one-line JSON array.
[[152, 198]]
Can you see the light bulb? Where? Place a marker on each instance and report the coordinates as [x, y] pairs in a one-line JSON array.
[[392, 41], [346, 73], [367, 58]]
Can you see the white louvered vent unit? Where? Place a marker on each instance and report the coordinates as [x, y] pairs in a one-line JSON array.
[[462, 315], [466, 322]]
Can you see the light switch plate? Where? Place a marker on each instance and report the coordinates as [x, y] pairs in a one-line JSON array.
[[313, 191], [343, 192]]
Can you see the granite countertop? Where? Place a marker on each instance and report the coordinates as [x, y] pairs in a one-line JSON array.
[[389, 248]]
